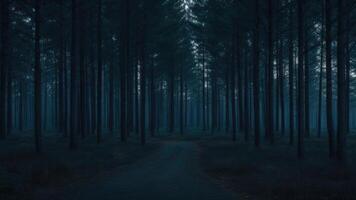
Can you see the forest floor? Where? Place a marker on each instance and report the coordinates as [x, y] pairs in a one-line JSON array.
[[274, 172], [191, 166], [22, 172]]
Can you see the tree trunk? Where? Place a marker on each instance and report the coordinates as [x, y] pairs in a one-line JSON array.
[[37, 77], [61, 72], [143, 88], [341, 80], [329, 96], [73, 92], [181, 120], [204, 93], [291, 77], [153, 101], [125, 47], [100, 74], [269, 78], [4, 66], [233, 86], [246, 98], [301, 92], [171, 102], [322, 39], [82, 70], [306, 80], [256, 78], [111, 94]]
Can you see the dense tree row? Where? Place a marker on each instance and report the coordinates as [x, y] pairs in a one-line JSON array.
[[265, 69]]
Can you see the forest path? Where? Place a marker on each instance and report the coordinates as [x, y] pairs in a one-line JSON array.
[[171, 173]]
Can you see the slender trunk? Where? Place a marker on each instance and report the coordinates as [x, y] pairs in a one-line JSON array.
[[171, 103], [124, 44], [246, 98], [322, 39], [269, 78], [329, 95], [81, 107], [61, 59], [204, 94], [37, 77], [256, 78], [137, 108], [291, 77], [227, 95], [100, 74], [9, 102], [281, 86], [306, 81], [233, 102], [143, 89], [21, 105], [181, 126], [73, 92], [111, 94], [4, 60], [239, 82], [341, 81], [153, 101], [301, 93]]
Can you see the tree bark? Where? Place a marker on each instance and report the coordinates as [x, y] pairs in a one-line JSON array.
[[301, 92], [269, 78], [329, 95], [37, 77], [73, 92], [256, 78], [4, 67], [341, 81]]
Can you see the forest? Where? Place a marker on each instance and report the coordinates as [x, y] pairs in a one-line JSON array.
[[177, 99]]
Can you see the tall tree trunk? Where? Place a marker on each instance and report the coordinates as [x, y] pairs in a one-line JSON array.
[[61, 72], [256, 78], [125, 47], [291, 76], [246, 97], [204, 93], [100, 73], [153, 100], [239, 82], [4, 60], [171, 102], [281, 86], [227, 94], [329, 95], [322, 39], [137, 108], [73, 92], [181, 122], [111, 94], [306, 80], [9, 101], [143, 86], [348, 65], [301, 92], [341, 80], [82, 70], [37, 77], [269, 78], [233, 86], [21, 104]]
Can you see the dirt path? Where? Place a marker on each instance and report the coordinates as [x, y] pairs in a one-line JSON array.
[[172, 173]]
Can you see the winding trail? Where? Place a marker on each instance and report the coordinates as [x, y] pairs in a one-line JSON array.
[[171, 173]]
